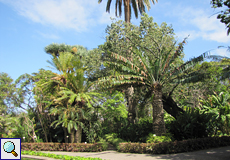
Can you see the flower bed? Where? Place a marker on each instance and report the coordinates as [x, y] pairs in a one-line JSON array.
[[70, 147]]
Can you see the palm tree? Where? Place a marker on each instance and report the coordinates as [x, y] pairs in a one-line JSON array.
[[152, 71], [70, 89], [136, 5]]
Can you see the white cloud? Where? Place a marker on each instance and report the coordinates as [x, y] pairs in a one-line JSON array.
[[199, 24], [62, 14]]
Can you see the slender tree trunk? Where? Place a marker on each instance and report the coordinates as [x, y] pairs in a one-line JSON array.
[[158, 112], [40, 119], [129, 94], [72, 135], [78, 134], [65, 135]]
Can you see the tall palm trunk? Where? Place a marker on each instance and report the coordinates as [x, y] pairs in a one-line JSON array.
[[127, 11], [78, 134], [158, 112]]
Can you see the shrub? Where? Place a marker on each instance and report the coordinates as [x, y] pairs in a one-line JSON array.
[[103, 143], [112, 138], [70, 147], [137, 132], [174, 147], [152, 138], [191, 124]]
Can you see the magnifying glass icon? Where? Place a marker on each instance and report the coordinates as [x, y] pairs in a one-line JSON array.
[[9, 147]]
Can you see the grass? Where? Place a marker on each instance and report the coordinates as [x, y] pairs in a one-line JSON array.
[[50, 155]]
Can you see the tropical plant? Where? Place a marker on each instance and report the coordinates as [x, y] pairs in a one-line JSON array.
[[191, 124], [219, 107], [71, 96]]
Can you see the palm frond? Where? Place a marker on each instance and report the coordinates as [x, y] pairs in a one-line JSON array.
[[108, 6], [120, 5], [134, 5], [147, 3], [218, 57], [170, 59], [191, 62]]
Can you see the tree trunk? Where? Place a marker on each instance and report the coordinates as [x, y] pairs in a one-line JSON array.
[[72, 135], [158, 112], [129, 97], [65, 135], [127, 11], [40, 113], [171, 107], [78, 134]]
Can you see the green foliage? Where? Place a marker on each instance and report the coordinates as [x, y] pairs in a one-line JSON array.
[[114, 107], [219, 107], [57, 156], [7, 93], [191, 124], [224, 15], [104, 143], [70, 89], [93, 131], [137, 132], [112, 138], [152, 138]]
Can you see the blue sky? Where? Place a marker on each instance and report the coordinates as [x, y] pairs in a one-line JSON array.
[[28, 26]]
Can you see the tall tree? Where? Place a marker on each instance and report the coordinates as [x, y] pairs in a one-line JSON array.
[[136, 5]]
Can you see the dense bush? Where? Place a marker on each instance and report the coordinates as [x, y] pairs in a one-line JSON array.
[[137, 132], [112, 138], [219, 107], [191, 124], [103, 143], [70, 147], [175, 147]]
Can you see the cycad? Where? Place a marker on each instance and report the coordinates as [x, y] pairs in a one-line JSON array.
[[152, 71]]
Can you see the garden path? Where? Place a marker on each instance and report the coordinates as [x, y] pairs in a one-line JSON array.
[[222, 153]]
